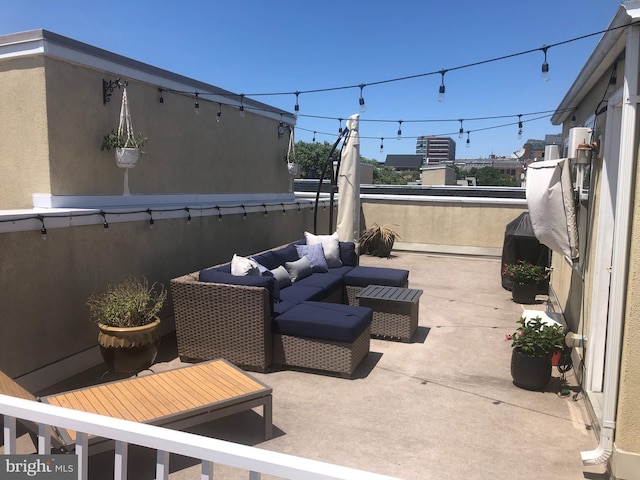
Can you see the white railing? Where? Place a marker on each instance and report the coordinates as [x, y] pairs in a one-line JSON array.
[[165, 441]]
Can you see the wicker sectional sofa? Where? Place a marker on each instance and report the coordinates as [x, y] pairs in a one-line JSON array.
[[264, 321]]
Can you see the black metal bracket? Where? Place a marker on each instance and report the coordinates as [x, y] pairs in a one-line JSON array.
[[109, 86]]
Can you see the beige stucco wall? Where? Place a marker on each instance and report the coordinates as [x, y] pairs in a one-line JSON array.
[[24, 147], [462, 224], [56, 119]]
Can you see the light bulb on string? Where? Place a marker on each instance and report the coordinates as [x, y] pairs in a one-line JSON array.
[[545, 65], [520, 126], [241, 109], [442, 88], [314, 137], [461, 131], [381, 144], [468, 139], [340, 129], [363, 107], [399, 129], [161, 97], [296, 108], [219, 113], [197, 103]]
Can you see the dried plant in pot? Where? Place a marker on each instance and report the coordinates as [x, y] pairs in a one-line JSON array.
[[378, 240], [126, 314]]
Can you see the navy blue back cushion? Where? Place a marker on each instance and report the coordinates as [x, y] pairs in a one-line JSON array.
[[267, 281], [267, 259], [348, 254], [286, 254]]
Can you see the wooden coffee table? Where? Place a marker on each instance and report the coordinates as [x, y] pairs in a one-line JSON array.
[[395, 310]]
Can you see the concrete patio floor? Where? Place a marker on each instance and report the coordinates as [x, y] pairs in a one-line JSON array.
[[440, 407]]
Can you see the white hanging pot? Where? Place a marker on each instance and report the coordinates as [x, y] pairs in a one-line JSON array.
[[293, 168], [127, 157]]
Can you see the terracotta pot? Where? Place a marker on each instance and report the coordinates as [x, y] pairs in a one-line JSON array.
[[524, 292], [530, 372], [129, 350]]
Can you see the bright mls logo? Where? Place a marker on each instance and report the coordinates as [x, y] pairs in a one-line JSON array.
[[50, 467]]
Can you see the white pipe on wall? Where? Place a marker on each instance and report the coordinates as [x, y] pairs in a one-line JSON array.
[[622, 227]]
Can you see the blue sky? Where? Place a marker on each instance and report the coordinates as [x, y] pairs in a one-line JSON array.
[[263, 46]]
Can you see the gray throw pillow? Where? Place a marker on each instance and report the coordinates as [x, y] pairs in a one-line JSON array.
[[299, 269], [282, 276]]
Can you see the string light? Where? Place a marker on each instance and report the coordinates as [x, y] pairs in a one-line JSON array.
[[340, 129], [468, 139], [284, 212], [219, 114], [399, 129], [197, 104], [296, 108], [241, 110], [188, 215], [43, 229], [519, 126], [151, 222], [314, 137], [442, 88], [105, 224], [545, 65], [244, 212], [381, 144], [266, 213], [219, 213], [363, 107], [461, 131], [161, 97]]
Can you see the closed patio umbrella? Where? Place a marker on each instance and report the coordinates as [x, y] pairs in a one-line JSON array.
[[348, 221]]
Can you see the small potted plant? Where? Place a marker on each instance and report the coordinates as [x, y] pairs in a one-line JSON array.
[[127, 147], [378, 240], [533, 345], [525, 280], [126, 314]]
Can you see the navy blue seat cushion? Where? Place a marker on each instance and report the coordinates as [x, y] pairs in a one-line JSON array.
[[328, 282], [340, 271], [348, 254], [362, 276], [281, 307], [299, 293], [267, 281], [325, 321]]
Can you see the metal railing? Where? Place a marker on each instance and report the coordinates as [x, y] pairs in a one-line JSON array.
[[165, 441]]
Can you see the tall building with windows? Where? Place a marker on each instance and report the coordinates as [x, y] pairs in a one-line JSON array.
[[436, 149]]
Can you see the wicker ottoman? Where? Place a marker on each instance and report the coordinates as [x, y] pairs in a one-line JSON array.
[[395, 310], [322, 336]]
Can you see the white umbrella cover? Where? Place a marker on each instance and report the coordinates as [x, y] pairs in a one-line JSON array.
[[348, 221]]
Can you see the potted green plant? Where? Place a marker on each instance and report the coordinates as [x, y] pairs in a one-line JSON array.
[[377, 240], [127, 147], [533, 345], [525, 280], [126, 314]]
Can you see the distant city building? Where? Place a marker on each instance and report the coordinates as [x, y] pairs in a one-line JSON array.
[[533, 149], [436, 149]]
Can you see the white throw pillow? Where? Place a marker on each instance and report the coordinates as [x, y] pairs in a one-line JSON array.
[[330, 245], [241, 267]]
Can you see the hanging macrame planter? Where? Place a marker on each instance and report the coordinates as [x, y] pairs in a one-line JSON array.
[[126, 156], [292, 167]]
